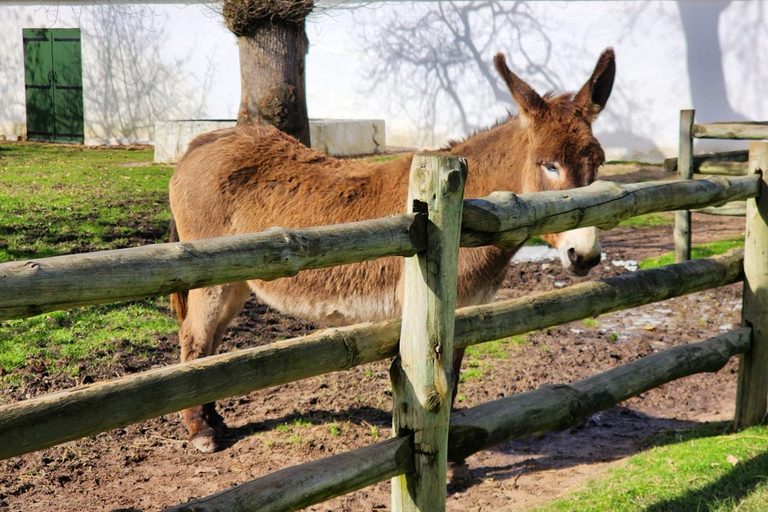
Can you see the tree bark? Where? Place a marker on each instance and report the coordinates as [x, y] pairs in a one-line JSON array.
[[272, 79], [273, 44]]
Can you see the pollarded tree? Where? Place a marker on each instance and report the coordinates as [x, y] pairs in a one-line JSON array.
[[273, 42]]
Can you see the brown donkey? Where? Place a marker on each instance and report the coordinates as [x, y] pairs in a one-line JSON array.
[[247, 179]]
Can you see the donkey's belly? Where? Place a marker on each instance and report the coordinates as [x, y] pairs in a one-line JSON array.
[[361, 292], [372, 291], [336, 311]]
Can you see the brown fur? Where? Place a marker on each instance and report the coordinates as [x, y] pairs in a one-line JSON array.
[[248, 179]]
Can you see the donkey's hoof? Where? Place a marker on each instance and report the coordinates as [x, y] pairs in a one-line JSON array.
[[204, 441]]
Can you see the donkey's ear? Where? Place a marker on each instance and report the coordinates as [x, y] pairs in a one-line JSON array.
[[528, 101], [595, 93]]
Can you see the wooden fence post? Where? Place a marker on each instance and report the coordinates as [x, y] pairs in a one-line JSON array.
[[422, 375], [752, 390], [685, 169]]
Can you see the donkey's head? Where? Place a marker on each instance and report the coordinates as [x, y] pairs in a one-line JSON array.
[[562, 151]]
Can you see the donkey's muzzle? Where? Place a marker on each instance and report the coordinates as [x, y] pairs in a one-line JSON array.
[[581, 264]]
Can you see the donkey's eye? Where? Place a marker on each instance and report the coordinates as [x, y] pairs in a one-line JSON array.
[[551, 167]]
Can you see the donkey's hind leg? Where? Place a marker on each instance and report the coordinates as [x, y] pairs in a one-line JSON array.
[[209, 312]]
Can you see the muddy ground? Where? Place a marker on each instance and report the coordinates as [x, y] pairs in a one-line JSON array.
[[149, 466]]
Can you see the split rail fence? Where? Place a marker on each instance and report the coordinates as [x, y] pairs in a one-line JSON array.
[[729, 163], [426, 435]]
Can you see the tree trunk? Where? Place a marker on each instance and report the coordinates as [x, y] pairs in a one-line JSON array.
[[272, 79], [273, 44]]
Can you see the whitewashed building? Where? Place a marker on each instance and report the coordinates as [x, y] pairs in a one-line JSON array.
[[423, 67]]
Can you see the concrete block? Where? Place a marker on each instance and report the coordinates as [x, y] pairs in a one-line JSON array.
[[172, 138], [347, 137], [336, 137]]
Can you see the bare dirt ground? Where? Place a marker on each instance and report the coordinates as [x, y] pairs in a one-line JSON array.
[[149, 466]]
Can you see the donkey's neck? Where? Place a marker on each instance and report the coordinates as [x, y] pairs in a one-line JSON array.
[[497, 159]]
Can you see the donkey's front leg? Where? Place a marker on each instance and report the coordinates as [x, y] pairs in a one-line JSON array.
[[209, 312]]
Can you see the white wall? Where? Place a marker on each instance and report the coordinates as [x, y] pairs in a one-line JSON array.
[[141, 63], [424, 67]]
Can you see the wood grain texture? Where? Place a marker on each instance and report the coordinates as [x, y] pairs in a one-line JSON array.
[[740, 131], [752, 387], [300, 486], [32, 287], [422, 374], [472, 430], [556, 407], [74, 413], [506, 219], [723, 168], [670, 164], [682, 233], [732, 209]]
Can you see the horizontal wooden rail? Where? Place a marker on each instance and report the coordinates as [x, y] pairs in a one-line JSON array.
[[723, 168], [300, 486], [560, 406], [670, 164], [742, 131], [549, 407], [506, 219], [32, 287], [71, 414], [734, 209]]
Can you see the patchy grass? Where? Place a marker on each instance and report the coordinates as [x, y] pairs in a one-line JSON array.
[[64, 339], [697, 251], [632, 162], [649, 220], [60, 199], [384, 158], [497, 349], [692, 471], [65, 199]]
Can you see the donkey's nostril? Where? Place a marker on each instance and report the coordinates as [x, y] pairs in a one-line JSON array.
[[593, 261]]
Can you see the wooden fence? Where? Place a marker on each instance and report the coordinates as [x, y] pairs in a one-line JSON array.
[[726, 163], [426, 435]]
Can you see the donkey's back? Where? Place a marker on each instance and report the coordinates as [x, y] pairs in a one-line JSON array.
[[247, 179]]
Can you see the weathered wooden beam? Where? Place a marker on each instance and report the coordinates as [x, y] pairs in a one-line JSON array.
[[734, 209], [682, 233], [74, 413], [300, 486], [36, 286], [498, 320], [555, 407], [723, 168], [506, 219], [670, 164], [32, 287], [422, 374], [478, 428], [752, 388], [739, 131]]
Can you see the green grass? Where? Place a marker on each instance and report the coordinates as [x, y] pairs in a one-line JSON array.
[[694, 471], [497, 349], [58, 200], [697, 251], [384, 158], [63, 199], [649, 220], [631, 162], [64, 339]]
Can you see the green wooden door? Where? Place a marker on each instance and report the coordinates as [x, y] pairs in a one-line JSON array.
[[54, 85]]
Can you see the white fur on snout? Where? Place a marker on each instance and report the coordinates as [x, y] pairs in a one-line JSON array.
[[583, 241]]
